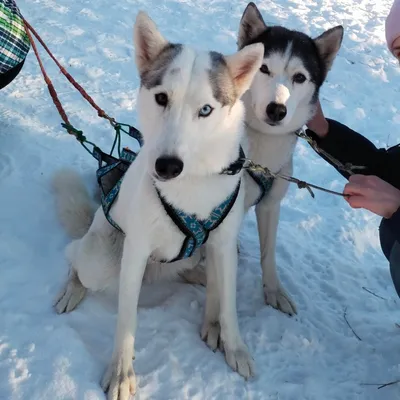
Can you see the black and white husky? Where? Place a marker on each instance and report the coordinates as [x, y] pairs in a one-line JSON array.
[[280, 101], [191, 116]]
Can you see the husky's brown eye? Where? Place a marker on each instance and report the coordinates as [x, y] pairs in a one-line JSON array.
[[264, 69], [161, 99], [299, 78]]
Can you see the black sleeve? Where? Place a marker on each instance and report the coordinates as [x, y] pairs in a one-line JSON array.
[[394, 225], [348, 146], [389, 232], [7, 77]]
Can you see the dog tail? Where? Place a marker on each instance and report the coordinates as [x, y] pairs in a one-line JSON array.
[[74, 206]]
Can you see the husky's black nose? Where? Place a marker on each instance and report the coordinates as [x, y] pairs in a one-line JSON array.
[[168, 167], [276, 112]]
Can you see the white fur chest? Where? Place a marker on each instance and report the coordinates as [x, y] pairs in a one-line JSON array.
[[274, 151]]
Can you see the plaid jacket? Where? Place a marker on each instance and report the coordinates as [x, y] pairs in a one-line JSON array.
[[14, 43]]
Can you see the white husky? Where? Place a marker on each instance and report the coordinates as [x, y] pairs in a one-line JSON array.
[[280, 101], [191, 116]]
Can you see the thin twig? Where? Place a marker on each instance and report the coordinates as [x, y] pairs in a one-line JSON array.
[[387, 140], [347, 322], [381, 385], [389, 384], [370, 384], [374, 294]]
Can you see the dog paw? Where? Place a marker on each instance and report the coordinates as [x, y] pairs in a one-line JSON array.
[[70, 296], [211, 335], [279, 299], [119, 385], [237, 356], [239, 359]]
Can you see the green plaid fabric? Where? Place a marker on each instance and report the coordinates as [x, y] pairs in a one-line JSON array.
[[14, 42]]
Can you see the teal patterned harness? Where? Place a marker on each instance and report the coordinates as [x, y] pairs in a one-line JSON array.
[[196, 231], [264, 183]]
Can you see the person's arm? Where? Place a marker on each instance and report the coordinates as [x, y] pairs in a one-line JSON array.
[[348, 146]]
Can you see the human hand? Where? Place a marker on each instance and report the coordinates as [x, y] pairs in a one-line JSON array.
[[318, 123], [373, 194]]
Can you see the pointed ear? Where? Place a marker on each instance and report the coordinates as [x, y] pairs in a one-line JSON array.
[[148, 41], [328, 45], [251, 25], [243, 65]]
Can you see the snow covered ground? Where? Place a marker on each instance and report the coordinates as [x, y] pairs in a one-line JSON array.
[[326, 252]]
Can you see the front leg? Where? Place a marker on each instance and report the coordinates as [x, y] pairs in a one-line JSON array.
[[119, 380], [222, 262], [211, 329], [267, 221]]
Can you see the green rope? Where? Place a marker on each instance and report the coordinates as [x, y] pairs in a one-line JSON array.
[[72, 131], [81, 138], [121, 128], [117, 139]]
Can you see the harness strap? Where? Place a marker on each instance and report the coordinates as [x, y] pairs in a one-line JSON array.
[[196, 231], [135, 134], [190, 243], [264, 183], [107, 200], [119, 166]]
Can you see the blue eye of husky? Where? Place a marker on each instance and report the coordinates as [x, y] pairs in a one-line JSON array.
[[205, 111], [299, 78]]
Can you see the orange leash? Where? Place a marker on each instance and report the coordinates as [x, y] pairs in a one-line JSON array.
[[53, 93]]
